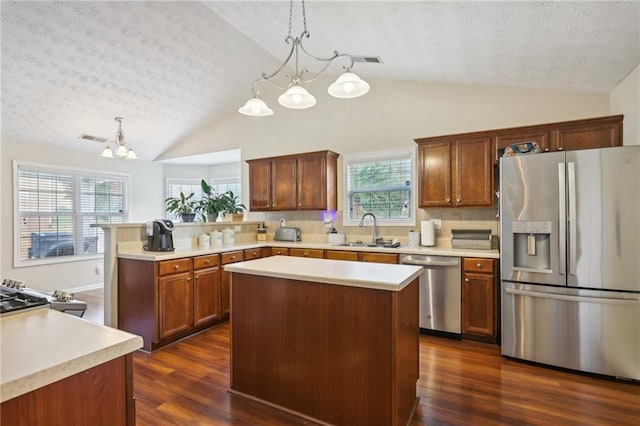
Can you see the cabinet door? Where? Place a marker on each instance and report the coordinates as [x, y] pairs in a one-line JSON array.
[[541, 137], [279, 251], [260, 185], [312, 183], [478, 305], [434, 174], [175, 300], [587, 135], [283, 184], [473, 173], [225, 293], [206, 295]]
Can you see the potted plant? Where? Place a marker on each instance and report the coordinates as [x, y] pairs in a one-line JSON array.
[[184, 205], [212, 204]]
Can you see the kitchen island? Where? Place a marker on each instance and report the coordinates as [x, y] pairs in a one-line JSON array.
[[331, 341], [60, 369]]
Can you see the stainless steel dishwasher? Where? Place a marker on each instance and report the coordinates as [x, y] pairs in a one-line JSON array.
[[440, 292]]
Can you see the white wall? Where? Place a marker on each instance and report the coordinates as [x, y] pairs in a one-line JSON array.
[[392, 114], [625, 99], [146, 198]]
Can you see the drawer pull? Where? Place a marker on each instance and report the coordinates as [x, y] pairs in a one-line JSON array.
[[197, 277], [207, 261], [458, 200], [466, 280], [176, 267], [478, 265]]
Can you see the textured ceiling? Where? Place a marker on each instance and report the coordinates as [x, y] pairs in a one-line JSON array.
[[170, 67]]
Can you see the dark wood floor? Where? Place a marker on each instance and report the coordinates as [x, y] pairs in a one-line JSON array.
[[461, 383]]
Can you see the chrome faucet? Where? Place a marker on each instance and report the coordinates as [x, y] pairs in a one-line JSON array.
[[376, 238]]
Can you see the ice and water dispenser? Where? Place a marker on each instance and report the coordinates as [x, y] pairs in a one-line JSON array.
[[531, 245]]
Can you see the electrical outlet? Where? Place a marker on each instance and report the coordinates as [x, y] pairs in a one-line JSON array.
[[98, 269], [437, 223]]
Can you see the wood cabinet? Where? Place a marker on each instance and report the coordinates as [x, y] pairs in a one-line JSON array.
[[207, 289], [279, 251], [479, 299], [101, 395], [225, 296], [599, 132], [167, 300], [255, 253], [364, 256], [341, 255], [302, 252], [294, 182], [455, 172]]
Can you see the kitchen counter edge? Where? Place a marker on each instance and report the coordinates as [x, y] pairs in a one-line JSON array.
[[43, 346], [140, 254]]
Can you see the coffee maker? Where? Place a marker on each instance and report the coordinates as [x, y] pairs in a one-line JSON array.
[[159, 235]]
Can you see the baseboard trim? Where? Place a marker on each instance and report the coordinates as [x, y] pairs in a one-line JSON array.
[[85, 288]]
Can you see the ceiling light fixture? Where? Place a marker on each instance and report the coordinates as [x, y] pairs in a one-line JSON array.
[[119, 149], [348, 85]]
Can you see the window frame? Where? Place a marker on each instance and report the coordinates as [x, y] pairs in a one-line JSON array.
[[382, 155], [77, 173]]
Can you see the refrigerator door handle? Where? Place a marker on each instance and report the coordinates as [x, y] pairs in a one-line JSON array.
[[571, 180], [562, 219], [570, 298]]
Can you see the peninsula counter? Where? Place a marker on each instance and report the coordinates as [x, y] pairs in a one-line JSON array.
[[332, 341]]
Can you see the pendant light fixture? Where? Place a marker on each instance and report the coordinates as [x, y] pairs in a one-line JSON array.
[[348, 85], [119, 149]]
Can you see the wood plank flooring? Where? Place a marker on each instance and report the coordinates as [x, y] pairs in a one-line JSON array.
[[461, 383]]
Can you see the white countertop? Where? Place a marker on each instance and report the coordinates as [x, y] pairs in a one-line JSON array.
[[42, 346], [135, 251], [378, 276]]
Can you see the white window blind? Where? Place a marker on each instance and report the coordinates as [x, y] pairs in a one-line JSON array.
[[381, 184], [55, 210]]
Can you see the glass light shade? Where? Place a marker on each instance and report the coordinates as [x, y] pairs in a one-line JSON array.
[[255, 107], [348, 85], [296, 97], [107, 153], [131, 155], [122, 151]]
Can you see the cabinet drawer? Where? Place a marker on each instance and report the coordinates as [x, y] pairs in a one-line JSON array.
[[253, 253], [279, 251], [300, 252], [167, 267], [378, 257], [232, 256], [208, 261], [341, 255], [475, 264]]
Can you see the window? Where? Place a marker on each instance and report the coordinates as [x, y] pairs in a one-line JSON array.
[[187, 186], [56, 208], [380, 183]]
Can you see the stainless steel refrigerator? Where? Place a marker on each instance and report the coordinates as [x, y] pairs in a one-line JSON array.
[[570, 259]]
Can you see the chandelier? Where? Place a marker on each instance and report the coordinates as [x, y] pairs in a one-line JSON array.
[[119, 149], [348, 85]]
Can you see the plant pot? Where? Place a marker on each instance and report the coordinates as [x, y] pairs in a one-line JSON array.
[[188, 217], [237, 217], [213, 217]]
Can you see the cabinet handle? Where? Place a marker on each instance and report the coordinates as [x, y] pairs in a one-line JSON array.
[[478, 265], [299, 204], [207, 261], [188, 278], [546, 150], [176, 267], [305, 254], [448, 200], [466, 280], [458, 200], [560, 148], [197, 277]]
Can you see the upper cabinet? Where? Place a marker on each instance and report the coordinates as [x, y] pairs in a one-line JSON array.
[[455, 172], [294, 182], [590, 133]]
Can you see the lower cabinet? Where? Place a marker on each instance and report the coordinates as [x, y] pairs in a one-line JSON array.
[[167, 300], [479, 299], [341, 255], [377, 257], [279, 251], [302, 252]]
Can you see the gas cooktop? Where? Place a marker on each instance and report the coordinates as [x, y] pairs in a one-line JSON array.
[[15, 297]]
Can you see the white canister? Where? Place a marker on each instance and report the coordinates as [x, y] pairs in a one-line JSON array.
[[228, 236], [414, 238], [428, 231], [216, 238], [204, 240]]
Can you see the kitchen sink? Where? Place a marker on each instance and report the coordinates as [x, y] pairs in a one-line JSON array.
[[385, 244]]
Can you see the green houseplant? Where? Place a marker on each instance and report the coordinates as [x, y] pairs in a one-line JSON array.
[[212, 204], [184, 205]]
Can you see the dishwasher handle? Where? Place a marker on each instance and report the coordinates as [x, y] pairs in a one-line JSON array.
[[422, 260]]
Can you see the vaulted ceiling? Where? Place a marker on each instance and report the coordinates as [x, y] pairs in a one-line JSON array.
[[169, 68]]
